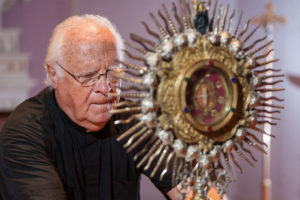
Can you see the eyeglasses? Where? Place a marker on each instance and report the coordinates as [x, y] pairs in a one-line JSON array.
[[112, 77]]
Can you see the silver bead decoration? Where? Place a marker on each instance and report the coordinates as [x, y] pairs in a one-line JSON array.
[[204, 160], [149, 119], [166, 137], [215, 152], [240, 55], [152, 59], [202, 184], [254, 80], [192, 37], [228, 146], [253, 112], [180, 41], [240, 132], [234, 46], [213, 38], [250, 61], [252, 118], [239, 135], [254, 99], [222, 181], [192, 152], [167, 49], [179, 147], [147, 105], [224, 39], [149, 79]]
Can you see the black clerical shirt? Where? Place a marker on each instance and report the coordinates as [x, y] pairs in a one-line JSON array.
[[44, 155]]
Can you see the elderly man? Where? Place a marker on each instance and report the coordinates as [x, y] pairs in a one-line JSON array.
[[61, 143]]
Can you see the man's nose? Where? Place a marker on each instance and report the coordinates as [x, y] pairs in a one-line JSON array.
[[101, 85]]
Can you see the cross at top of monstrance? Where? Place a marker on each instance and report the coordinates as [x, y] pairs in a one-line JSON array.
[[269, 17]]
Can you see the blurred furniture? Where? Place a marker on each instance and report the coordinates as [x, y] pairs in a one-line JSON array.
[[15, 81]]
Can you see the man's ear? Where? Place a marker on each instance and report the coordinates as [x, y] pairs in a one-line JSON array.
[[52, 75]]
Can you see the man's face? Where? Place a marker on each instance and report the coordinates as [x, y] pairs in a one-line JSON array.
[[87, 106]]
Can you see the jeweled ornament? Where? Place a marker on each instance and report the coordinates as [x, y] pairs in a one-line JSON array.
[[197, 97]]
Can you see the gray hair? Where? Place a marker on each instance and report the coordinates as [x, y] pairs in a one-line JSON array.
[[55, 47]]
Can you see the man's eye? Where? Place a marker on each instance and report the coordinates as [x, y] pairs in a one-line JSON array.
[[84, 79], [87, 76]]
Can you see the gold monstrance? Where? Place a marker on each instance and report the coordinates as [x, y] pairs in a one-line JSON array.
[[197, 97]]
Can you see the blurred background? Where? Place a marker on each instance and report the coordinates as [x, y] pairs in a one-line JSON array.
[[35, 19]]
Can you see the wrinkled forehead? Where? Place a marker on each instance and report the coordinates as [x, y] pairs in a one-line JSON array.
[[92, 46]]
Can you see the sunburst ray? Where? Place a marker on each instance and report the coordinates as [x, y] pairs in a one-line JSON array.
[[143, 41], [212, 18], [164, 19], [183, 15], [142, 51], [126, 110], [170, 21], [138, 58], [151, 32], [272, 98], [176, 16], [129, 120], [153, 149], [159, 162], [160, 28], [235, 163], [230, 21], [134, 136], [154, 138], [223, 23], [131, 130], [243, 156], [238, 24], [248, 151], [261, 48], [254, 44], [244, 30], [264, 55], [251, 34], [170, 156], [141, 139], [140, 69]]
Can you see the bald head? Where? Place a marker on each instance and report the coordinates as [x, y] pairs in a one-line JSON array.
[[90, 38]]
